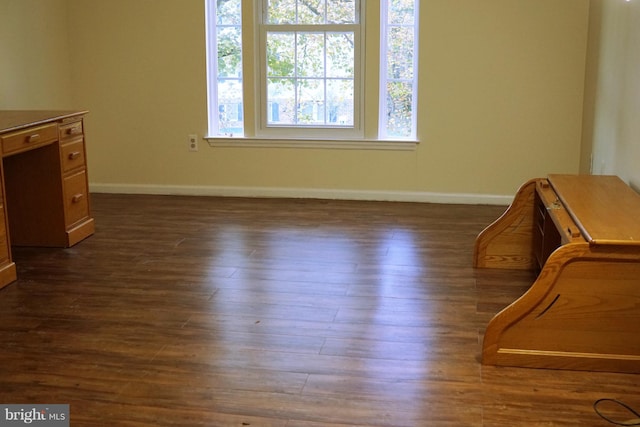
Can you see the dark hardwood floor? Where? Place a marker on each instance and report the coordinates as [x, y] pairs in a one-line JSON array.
[[196, 311]]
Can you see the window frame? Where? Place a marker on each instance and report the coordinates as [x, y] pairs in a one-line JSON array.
[[367, 132], [262, 128], [383, 68], [213, 71]]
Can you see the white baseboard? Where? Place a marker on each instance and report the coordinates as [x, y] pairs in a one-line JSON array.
[[304, 193]]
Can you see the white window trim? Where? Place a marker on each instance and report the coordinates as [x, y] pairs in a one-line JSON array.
[[212, 66], [316, 143]]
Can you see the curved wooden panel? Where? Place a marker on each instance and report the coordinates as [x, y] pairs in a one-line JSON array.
[[507, 242], [582, 312]]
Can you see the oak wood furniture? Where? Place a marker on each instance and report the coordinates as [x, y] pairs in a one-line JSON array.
[[44, 198], [582, 234]]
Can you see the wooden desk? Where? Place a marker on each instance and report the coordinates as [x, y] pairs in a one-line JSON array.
[[44, 199], [582, 235]]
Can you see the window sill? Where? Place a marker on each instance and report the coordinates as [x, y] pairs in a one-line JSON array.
[[360, 144]]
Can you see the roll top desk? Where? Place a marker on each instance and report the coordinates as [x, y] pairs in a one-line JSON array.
[[580, 234]]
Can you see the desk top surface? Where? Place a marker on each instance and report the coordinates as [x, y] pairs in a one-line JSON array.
[[606, 210], [11, 120]]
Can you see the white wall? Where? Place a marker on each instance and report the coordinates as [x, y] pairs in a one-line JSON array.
[[616, 128]]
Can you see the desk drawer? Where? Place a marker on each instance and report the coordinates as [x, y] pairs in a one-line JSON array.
[[70, 130], [72, 155], [76, 198], [29, 138]]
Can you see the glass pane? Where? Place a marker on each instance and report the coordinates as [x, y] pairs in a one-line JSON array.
[[281, 12], [229, 52], [401, 12], [228, 12], [311, 12], [340, 55], [280, 54], [340, 102], [310, 50], [311, 101], [230, 113], [281, 98], [399, 109], [341, 12], [400, 53]]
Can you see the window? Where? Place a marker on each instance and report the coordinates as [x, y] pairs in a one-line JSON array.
[[398, 82], [224, 47], [295, 69], [310, 53]]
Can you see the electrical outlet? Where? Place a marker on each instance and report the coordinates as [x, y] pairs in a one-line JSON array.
[[193, 142]]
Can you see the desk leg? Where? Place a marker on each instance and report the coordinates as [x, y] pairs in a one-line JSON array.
[[7, 267], [8, 274], [508, 241]]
